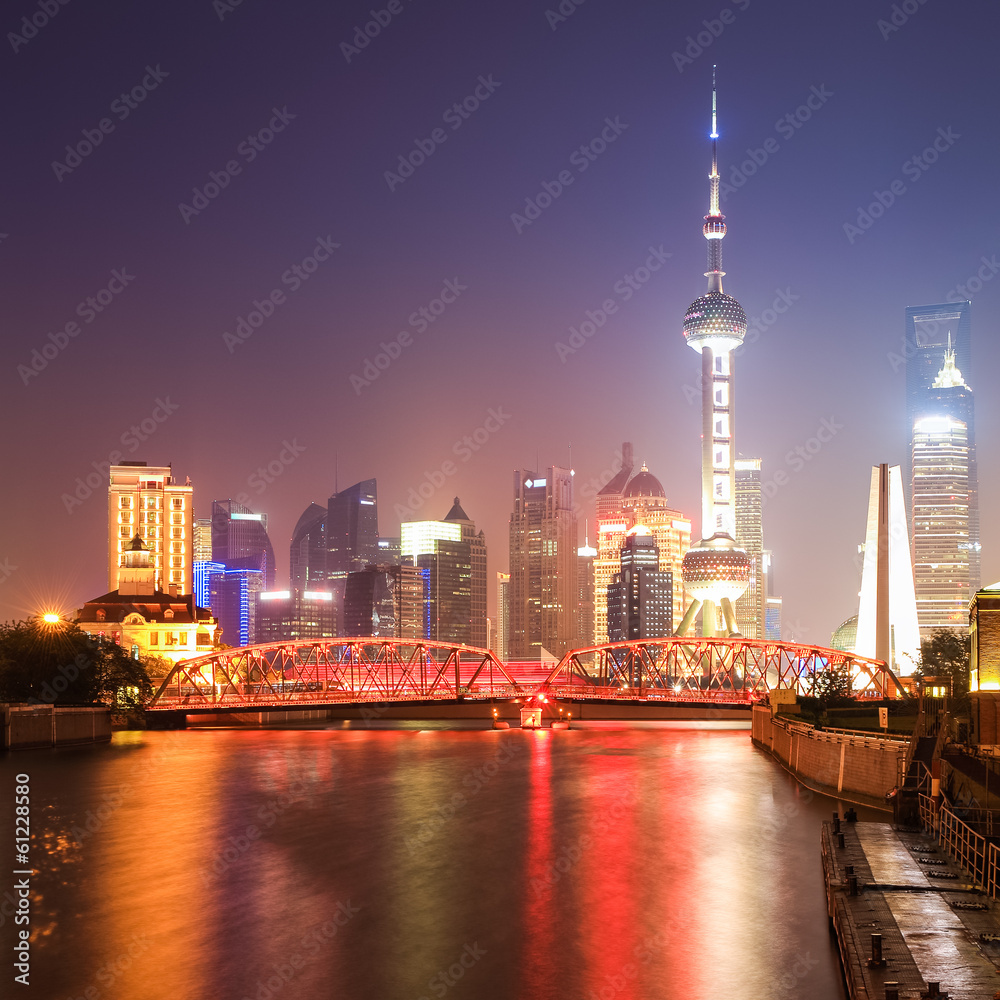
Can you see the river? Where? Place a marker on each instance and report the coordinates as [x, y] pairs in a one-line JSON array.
[[665, 860]]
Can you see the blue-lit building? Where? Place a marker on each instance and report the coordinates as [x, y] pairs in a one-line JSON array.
[[201, 570], [232, 593]]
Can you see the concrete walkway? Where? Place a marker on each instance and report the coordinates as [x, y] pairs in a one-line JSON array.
[[932, 926]]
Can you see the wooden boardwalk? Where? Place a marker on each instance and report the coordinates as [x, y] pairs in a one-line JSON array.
[[935, 926]]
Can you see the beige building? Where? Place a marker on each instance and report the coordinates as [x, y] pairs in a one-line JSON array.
[[621, 505], [144, 620], [146, 501]]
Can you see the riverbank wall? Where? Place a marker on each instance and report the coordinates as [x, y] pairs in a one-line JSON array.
[[31, 726], [846, 765]]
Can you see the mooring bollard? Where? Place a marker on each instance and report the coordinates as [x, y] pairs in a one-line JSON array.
[[892, 991], [836, 822], [876, 961], [852, 885], [840, 840], [934, 989]]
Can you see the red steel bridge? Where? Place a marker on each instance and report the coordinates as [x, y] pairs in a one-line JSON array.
[[356, 671]]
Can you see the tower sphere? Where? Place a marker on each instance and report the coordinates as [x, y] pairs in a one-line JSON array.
[[715, 568], [715, 320]]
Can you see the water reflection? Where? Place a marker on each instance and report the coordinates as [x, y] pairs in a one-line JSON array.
[[314, 863]]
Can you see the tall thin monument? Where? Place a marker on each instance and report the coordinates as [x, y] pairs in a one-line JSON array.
[[716, 571]]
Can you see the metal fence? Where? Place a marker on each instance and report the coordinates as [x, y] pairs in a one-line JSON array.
[[970, 848]]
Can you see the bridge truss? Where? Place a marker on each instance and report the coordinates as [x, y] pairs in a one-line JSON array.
[[331, 671], [715, 670]]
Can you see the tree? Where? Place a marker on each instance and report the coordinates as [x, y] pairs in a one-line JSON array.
[[60, 664], [947, 654]]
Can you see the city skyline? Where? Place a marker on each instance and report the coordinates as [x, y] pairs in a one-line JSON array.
[[525, 307]]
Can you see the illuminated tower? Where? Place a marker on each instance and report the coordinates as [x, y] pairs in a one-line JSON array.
[[716, 571]]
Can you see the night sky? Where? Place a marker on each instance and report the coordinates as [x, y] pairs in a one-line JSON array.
[[184, 263]]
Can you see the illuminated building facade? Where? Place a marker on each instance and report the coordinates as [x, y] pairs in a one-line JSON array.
[[388, 602], [944, 502], [147, 501], [543, 565], [887, 612], [294, 615], [751, 607], [231, 597], [352, 529], [941, 523], [612, 524], [454, 554], [640, 598], [502, 631], [772, 619], [645, 503], [202, 544], [477, 585], [585, 556], [142, 619], [240, 540], [716, 572], [938, 344]]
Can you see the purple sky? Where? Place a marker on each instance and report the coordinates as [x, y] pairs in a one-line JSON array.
[[211, 78]]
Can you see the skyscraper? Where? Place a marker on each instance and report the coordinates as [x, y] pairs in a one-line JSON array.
[[944, 502], [612, 523], [147, 501], [294, 615], [388, 602], [933, 333], [502, 635], [240, 539], [640, 598], [352, 529], [232, 596], [645, 503], [543, 565], [454, 554], [307, 552], [716, 571], [585, 556], [750, 608], [477, 584]]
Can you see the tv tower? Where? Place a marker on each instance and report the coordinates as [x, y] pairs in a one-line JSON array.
[[716, 571]]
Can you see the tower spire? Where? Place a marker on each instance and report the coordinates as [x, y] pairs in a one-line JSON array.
[[715, 226]]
